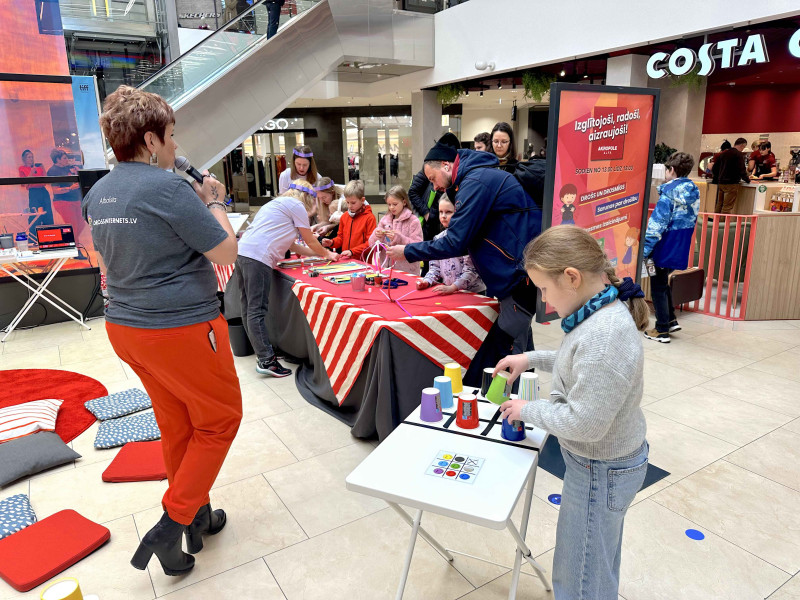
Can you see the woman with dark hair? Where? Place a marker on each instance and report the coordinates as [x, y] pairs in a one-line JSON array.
[[158, 236], [503, 146], [303, 167], [38, 196]]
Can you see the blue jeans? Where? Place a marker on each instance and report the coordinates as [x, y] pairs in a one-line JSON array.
[[273, 16], [595, 498]]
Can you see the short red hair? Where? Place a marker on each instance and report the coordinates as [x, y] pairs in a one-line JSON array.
[[128, 114]]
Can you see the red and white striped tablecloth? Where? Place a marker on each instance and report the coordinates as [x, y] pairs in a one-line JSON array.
[[223, 273], [345, 333]]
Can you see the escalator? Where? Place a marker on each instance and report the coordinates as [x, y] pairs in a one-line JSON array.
[[231, 83]]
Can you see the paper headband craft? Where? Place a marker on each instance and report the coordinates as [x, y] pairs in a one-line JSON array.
[[324, 187], [302, 188], [303, 154]]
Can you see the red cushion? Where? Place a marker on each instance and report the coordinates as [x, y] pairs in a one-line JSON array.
[[32, 556], [137, 461]]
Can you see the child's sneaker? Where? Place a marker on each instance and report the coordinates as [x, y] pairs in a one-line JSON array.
[[673, 327], [654, 334], [272, 367]]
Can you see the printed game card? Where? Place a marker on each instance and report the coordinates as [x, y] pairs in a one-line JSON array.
[[455, 466]]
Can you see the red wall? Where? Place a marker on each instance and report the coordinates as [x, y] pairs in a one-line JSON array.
[[734, 109]]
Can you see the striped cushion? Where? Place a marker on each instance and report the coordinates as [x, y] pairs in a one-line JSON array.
[[23, 419]]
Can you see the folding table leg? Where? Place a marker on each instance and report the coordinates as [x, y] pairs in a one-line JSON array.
[[425, 535], [526, 554], [409, 554]]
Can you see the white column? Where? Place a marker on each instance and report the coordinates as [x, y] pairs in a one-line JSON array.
[[680, 116], [629, 70], [426, 113]]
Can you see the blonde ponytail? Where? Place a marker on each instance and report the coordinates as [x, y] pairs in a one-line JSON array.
[[638, 306]]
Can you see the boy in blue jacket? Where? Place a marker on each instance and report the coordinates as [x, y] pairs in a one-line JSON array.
[[668, 239]]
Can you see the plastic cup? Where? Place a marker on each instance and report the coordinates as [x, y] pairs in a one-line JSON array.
[[430, 405], [453, 371], [529, 386], [486, 380], [358, 282], [513, 431], [498, 390], [467, 415], [445, 387]]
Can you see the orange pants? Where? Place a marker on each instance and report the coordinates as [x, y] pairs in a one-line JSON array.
[[196, 400]]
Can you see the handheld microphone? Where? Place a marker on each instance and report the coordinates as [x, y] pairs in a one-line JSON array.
[[182, 164]]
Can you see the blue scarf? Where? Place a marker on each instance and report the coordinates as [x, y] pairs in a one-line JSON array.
[[627, 289]]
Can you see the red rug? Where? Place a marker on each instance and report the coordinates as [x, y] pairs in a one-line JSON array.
[[26, 385]]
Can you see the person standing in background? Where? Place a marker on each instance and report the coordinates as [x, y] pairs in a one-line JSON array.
[[483, 142], [503, 146], [38, 196], [728, 170], [303, 167], [764, 166], [274, 15], [67, 196]]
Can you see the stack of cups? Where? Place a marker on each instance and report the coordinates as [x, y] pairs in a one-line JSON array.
[[445, 387], [431, 406], [453, 371], [529, 387]]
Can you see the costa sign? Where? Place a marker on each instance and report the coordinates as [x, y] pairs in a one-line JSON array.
[[684, 60]]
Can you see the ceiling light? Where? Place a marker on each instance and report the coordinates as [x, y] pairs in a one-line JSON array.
[[585, 76], [482, 65], [563, 72]]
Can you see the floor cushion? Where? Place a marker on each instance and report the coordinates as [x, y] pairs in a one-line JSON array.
[[15, 515], [118, 405], [45, 549], [141, 427], [33, 454], [27, 418], [137, 461]]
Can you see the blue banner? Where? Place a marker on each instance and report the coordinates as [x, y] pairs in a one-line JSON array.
[[87, 116]]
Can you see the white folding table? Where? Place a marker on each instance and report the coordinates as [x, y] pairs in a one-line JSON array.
[[397, 472], [18, 266]]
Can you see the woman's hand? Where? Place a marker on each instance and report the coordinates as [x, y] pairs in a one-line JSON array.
[[211, 190], [512, 409], [515, 364], [327, 243], [445, 290]]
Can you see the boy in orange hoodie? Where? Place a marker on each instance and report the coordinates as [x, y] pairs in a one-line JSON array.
[[356, 224]]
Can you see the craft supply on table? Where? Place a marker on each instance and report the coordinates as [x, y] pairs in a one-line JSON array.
[[455, 466], [339, 267], [467, 415], [359, 281], [498, 390], [453, 371], [431, 405], [445, 387], [299, 262], [529, 386]]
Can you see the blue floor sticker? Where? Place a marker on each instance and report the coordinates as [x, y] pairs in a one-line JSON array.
[[694, 534], [555, 498]]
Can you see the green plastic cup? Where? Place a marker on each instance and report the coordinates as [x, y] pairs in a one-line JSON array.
[[497, 390]]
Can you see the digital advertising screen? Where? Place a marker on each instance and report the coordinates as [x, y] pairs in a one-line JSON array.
[[599, 162]]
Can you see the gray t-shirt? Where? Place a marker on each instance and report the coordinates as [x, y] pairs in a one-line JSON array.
[[151, 229]]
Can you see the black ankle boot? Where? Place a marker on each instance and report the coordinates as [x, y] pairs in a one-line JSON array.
[[206, 522], [164, 540]]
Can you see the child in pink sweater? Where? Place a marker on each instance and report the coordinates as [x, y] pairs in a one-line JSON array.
[[398, 227]]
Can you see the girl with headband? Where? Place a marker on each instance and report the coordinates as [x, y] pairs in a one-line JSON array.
[[329, 201], [303, 167]]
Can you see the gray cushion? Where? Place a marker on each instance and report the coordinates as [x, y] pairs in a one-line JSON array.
[[33, 454]]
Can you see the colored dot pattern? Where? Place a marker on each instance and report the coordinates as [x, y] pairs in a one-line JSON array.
[[15, 514], [140, 427], [119, 404]]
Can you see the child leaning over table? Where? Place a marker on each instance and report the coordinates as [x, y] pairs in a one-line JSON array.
[[356, 225], [398, 227], [453, 274], [593, 408]]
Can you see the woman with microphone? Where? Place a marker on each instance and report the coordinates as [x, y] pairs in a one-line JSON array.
[[158, 236]]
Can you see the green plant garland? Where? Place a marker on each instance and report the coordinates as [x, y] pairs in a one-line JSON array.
[[536, 85], [692, 79], [450, 93]]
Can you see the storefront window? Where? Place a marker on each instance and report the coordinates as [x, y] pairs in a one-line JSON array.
[[378, 151]]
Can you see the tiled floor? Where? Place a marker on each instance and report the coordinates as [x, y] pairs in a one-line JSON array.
[[723, 409]]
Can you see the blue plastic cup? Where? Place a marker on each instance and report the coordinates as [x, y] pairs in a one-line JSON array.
[[513, 431], [445, 387]]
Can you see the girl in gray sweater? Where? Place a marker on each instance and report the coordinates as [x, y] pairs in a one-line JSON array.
[[593, 408]]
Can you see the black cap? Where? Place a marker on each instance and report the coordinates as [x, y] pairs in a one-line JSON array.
[[445, 149]]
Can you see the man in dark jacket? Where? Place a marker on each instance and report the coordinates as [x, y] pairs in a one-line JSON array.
[[493, 222], [728, 170]]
